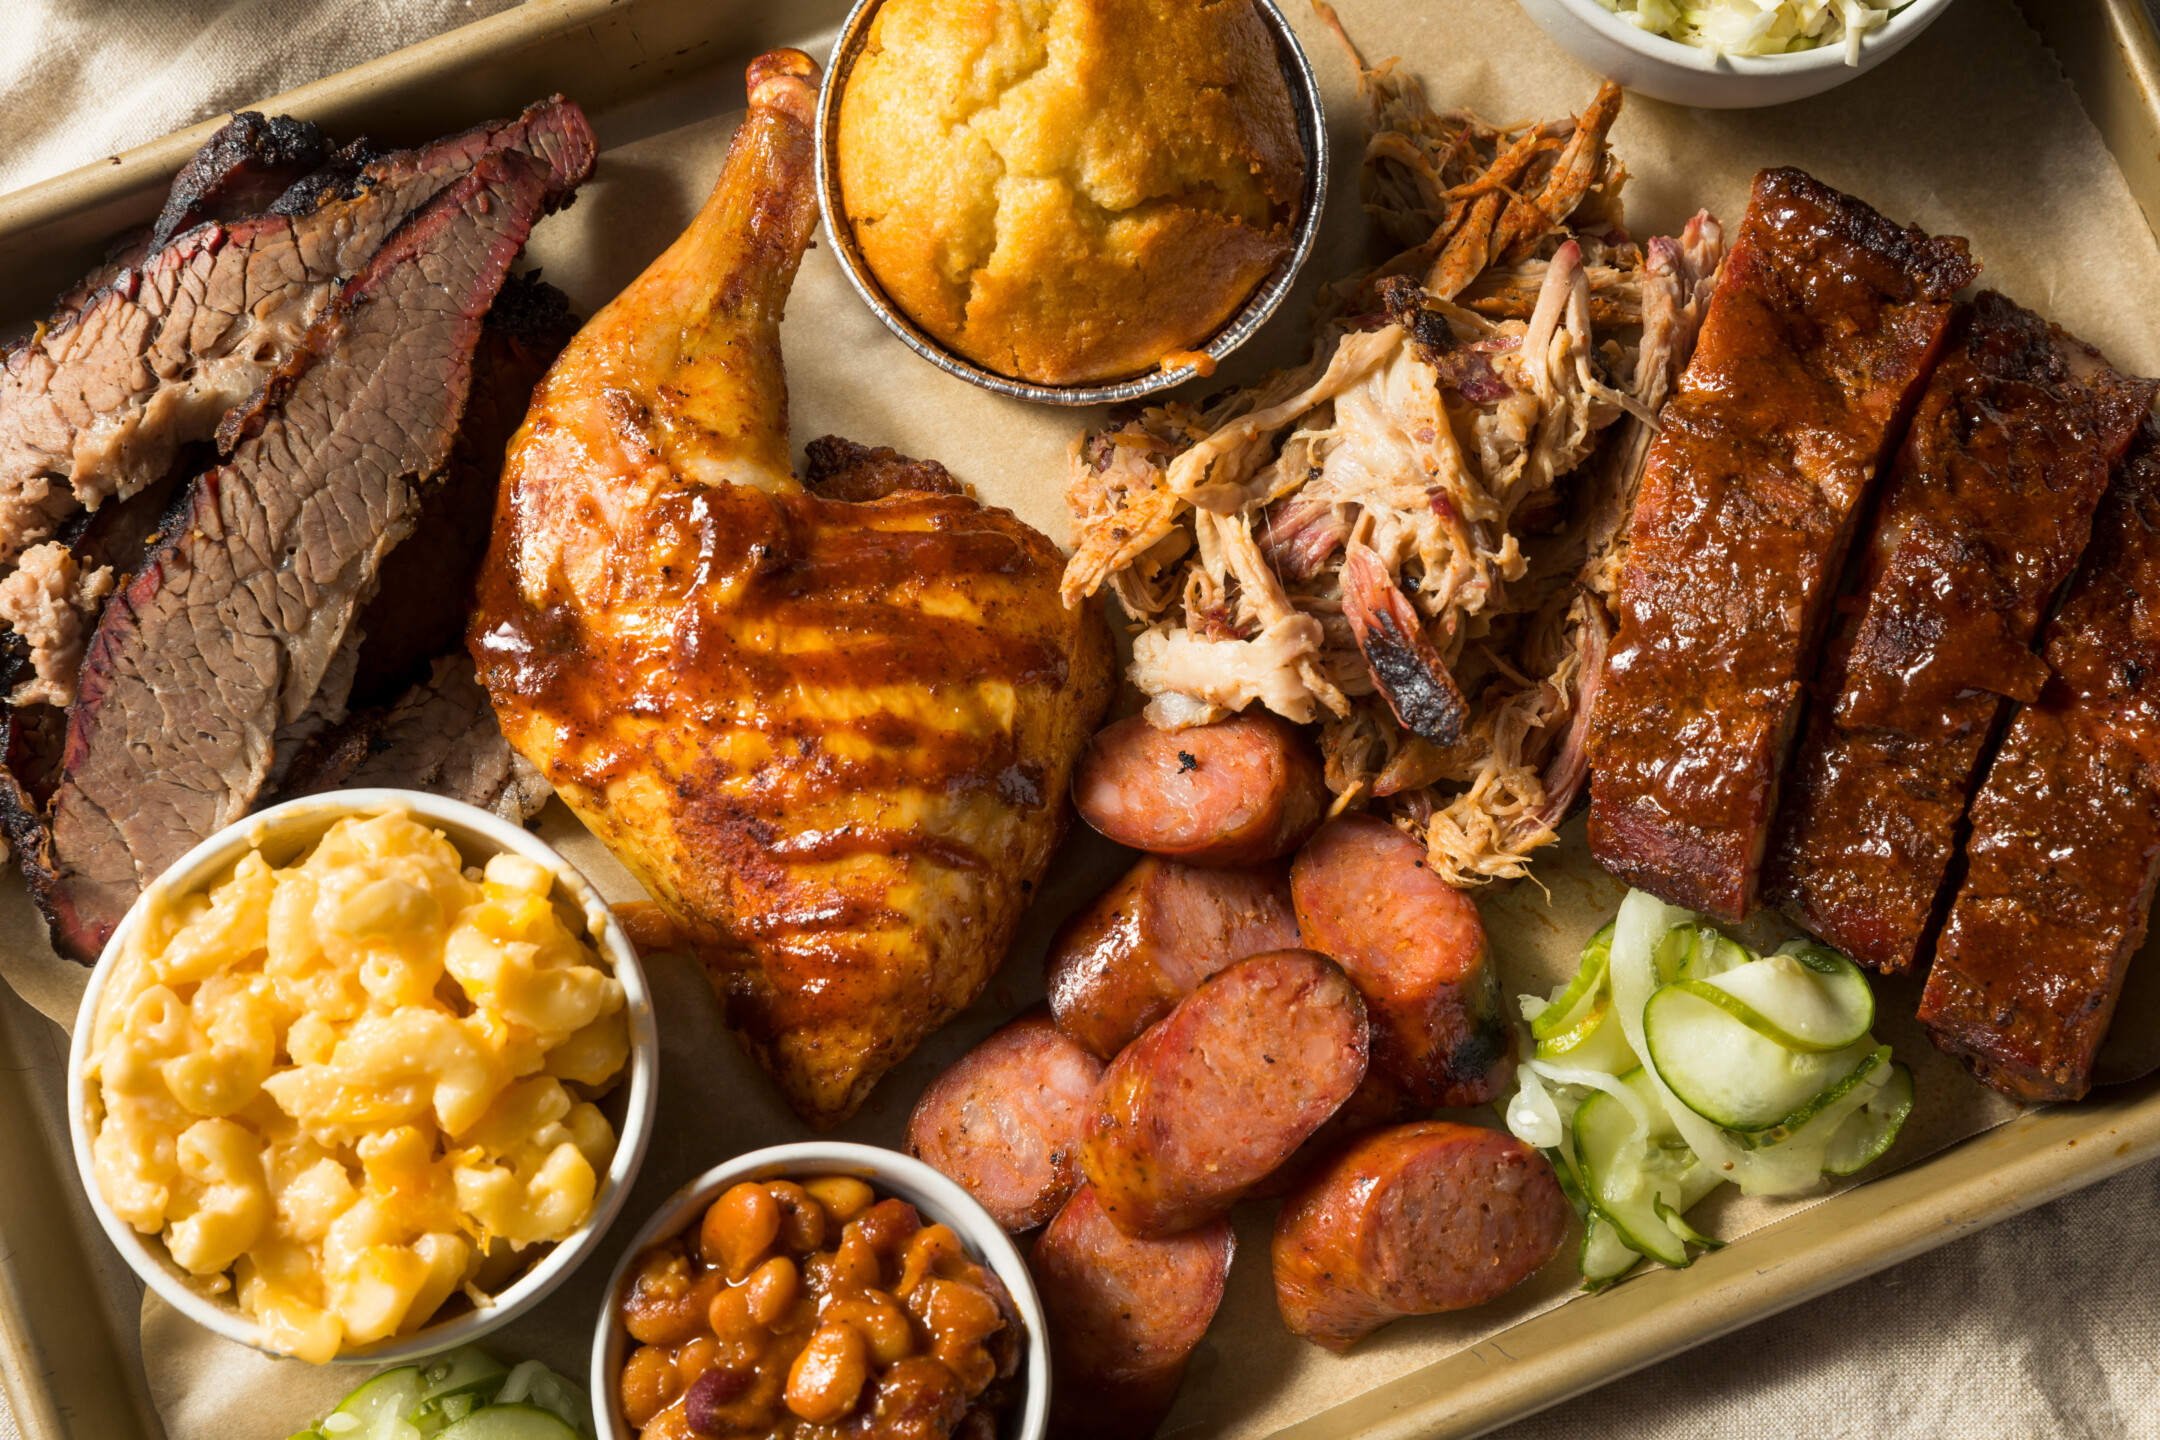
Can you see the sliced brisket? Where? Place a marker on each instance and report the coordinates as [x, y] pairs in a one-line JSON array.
[[234, 622], [1823, 327], [2065, 841], [426, 589], [439, 736], [1982, 519], [98, 403], [240, 171]]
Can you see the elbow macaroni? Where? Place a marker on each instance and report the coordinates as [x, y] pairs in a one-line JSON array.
[[350, 1084]]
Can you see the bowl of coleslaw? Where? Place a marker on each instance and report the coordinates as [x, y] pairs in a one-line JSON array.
[[1732, 54]]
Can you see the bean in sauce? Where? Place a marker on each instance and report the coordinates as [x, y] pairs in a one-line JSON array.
[[813, 1310]]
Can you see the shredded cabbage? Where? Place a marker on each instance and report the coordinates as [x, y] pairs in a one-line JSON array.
[[1759, 27]]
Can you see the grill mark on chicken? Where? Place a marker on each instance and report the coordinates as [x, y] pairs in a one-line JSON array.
[[2065, 844], [1823, 327], [831, 736], [1983, 517]]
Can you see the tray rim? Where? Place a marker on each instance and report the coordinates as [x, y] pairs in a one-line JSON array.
[[2111, 53]]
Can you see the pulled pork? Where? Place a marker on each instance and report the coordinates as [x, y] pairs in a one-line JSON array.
[[52, 603], [1407, 539]]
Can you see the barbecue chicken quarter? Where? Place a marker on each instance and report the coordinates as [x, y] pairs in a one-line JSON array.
[[833, 739]]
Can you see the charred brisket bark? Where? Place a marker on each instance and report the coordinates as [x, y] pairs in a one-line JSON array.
[[237, 614], [98, 403]]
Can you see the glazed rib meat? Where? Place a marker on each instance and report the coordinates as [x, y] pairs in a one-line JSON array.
[[833, 738], [2065, 841], [242, 614], [1824, 326], [1983, 517]]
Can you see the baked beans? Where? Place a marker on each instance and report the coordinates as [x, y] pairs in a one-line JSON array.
[[802, 1310]]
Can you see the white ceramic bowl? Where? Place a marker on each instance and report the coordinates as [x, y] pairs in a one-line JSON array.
[[283, 831], [1668, 70], [890, 1173]]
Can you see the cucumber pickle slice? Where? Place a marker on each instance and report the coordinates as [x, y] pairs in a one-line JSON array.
[[1627, 1170], [1605, 1256], [1574, 1000], [1868, 1131], [1727, 1070]]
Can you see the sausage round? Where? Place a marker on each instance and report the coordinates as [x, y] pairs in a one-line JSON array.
[[1416, 948], [1219, 1092], [1124, 1315], [1237, 792], [1377, 1101], [1118, 966], [1413, 1220], [1004, 1120]]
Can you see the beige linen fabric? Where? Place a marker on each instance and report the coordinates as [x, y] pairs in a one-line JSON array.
[[2046, 1326]]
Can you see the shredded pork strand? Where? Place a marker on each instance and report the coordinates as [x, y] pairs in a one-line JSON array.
[[1466, 437], [52, 603]]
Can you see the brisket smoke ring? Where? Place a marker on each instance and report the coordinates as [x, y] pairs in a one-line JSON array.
[[237, 636]]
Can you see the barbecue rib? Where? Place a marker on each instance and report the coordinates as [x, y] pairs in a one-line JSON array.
[[2065, 843], [1823, 327], [833, 739], [1982, 519]]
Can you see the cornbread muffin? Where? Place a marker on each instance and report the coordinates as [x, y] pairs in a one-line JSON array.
[[1067, 191]]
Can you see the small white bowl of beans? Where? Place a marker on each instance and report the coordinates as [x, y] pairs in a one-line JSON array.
[[809, 1286]]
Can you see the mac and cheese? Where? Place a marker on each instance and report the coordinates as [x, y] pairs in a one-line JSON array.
[[353, 1087]]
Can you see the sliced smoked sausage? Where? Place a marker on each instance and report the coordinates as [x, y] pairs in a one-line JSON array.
[[1124, 1316], [1118, 966], [1413, 1220], [1416, 948], [1004, 1120], [1377, 1101], [1219, 1092], [1237, 792]]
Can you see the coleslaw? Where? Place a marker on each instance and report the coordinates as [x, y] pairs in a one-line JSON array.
[[1759, 27]]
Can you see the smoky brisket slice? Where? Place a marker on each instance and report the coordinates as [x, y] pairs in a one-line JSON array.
[[425, 593], [2065, 841], [240, 171], [1982, 519], [238, 614], [97, 404], [1823, 327]]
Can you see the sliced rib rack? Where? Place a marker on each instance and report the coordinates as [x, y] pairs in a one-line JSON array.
[[2066, 831], [1983, 517], [1824, 326]]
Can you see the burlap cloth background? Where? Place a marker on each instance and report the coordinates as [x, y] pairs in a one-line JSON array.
[[2046, 1326]]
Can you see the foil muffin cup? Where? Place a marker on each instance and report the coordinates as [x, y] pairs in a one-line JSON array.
[[1259, 306]]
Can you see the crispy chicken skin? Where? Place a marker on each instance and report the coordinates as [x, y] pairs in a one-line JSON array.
[[833, 739]]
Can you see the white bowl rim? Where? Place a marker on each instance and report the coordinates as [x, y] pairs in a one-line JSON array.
[[1888, 36], [942, 1200], [225, 1318]]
